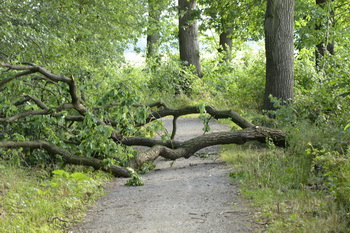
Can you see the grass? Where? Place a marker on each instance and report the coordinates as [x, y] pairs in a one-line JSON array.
[[278, 185], [33, 200]]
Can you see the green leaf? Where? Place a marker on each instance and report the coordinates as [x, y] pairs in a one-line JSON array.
[[78, 176], [61, 173], [347, 126], [201, 108]]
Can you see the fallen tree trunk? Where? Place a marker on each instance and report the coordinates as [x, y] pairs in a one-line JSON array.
[[185, 149], [235, 117], [70, 110], [176, 113], [66, 156], [188, 148]]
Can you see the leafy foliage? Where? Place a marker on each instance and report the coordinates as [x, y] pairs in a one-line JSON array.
[[243, 17], [237, 85], [135, 179], [91, 31], [32, 201]]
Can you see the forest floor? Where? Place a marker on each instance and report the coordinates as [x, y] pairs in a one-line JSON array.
[[191, 195]]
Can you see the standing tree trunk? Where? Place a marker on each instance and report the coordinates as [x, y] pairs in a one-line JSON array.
[[326, 45], [188, 35], [225, 43], [279, 35], [153, 35]]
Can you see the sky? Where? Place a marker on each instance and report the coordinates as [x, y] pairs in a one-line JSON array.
[[134, 58]]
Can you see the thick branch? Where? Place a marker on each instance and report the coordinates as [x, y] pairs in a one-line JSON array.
[[188, 148], [55, 78], [66, 156], [70, 118], [44, 112], [76, 101], [37, 102], [156, 104], [37, 69], [150, 142], [153, 153], [174, 128], [20, 102], [235, 117], [257, 133]]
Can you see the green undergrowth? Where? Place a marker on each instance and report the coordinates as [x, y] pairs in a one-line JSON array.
[[289, 192], [34, 200]]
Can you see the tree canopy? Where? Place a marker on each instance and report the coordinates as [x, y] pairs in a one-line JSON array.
[[69, 35]]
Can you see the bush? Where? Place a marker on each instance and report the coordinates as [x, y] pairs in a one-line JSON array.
[[33, 200], [236, 84]]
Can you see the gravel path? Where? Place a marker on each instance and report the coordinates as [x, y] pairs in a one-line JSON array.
[[192, 195]]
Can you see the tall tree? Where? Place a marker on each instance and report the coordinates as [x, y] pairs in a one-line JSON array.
[[232, 20], [155, 9], [188, 34], [225, 40], [327, 43], [279, 34]]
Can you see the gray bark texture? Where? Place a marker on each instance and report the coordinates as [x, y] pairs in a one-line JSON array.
[[153, 34], [225, 44], [188, 35], [279, 35], [66, 156]]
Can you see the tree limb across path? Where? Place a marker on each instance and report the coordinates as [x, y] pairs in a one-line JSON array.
[[66, 156], [188, 148], [75, 111]]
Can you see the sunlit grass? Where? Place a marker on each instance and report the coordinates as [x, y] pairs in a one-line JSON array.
[[35, 201], [277, 184]]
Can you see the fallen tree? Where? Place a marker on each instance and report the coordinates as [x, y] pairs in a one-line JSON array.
[[75, 126]]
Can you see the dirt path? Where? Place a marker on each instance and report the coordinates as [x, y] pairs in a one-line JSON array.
[[193, 195]]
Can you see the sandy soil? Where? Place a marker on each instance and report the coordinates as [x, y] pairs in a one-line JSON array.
[[192, 195]]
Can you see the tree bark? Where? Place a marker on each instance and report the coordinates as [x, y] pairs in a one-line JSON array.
[[66, 156], [225, 44], [188, 35], [279, 34], [188, 148], [235, 117], [153, 34]]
